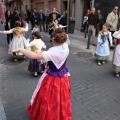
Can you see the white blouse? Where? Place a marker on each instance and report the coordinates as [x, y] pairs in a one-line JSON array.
[[38, 43], [109, 36], [57, 54]]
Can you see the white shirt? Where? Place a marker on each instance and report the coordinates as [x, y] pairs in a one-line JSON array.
[[38, 43], [57, 54]]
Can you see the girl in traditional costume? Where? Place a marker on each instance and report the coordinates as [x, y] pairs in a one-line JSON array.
[[18, 41], [35, 29], [53, 26], [36, 45], [51, 99], [116, 56], [102, 52]]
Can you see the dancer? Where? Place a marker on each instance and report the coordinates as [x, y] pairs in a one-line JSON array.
[[116, 56], [53, 26], [18, 41], [102, 52], [52, 97], [37, 44]]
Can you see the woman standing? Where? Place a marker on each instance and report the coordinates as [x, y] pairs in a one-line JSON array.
[[8, 26]]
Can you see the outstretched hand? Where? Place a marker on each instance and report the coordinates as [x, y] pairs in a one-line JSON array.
[[13, 53]]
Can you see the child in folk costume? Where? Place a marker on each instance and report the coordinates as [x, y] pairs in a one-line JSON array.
[[36, 45], [35, 29], [18, 41], [53, 26], [116, 57], [52, 97], [102, 52]]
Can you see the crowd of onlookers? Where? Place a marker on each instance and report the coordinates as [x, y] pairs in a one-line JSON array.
[[43, 20], [35, 18], [93, 20]]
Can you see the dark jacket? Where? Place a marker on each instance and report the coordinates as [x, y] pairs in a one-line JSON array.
[[93, 21], [16, 17], [35, 18], [63, 20], [9, 19], [43, 16], [50, 18]]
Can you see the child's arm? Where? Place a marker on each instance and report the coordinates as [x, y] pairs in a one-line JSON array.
[[61, 26], [68, 40], [99, 39], [30, 44], [116, 34], [7, 32], [110, 38], [44, 46], [26, 28], [33, 30], [29, 54]]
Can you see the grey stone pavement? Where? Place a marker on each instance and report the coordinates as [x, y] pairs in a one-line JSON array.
[[95, 89]]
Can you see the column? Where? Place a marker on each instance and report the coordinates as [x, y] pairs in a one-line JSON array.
[[79, 6]]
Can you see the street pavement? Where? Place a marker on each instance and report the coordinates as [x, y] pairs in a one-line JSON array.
[[95, 89]]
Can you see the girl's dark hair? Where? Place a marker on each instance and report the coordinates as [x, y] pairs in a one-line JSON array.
[[37, 35], [17, 24], [59, 36]]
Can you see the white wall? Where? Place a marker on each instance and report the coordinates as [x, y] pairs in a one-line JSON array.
[[79, 6]]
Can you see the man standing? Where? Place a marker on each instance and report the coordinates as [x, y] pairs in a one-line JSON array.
[[54, 15], [92, 22], [112, 20], [47, 19], [42, 20], [34, 18]]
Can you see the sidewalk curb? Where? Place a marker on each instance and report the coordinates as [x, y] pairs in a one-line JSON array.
[[2, 111]]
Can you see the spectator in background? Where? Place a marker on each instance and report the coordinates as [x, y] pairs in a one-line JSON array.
[[28, 15], [34, 18], [100, 23], [63, 19], [16, 16], [47, 19], [42, 20], [92, 22], [9, 25], [112, 20], [54, 15], [85, 21]]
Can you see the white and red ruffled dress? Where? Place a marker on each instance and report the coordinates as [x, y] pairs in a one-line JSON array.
[[51, 99]]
